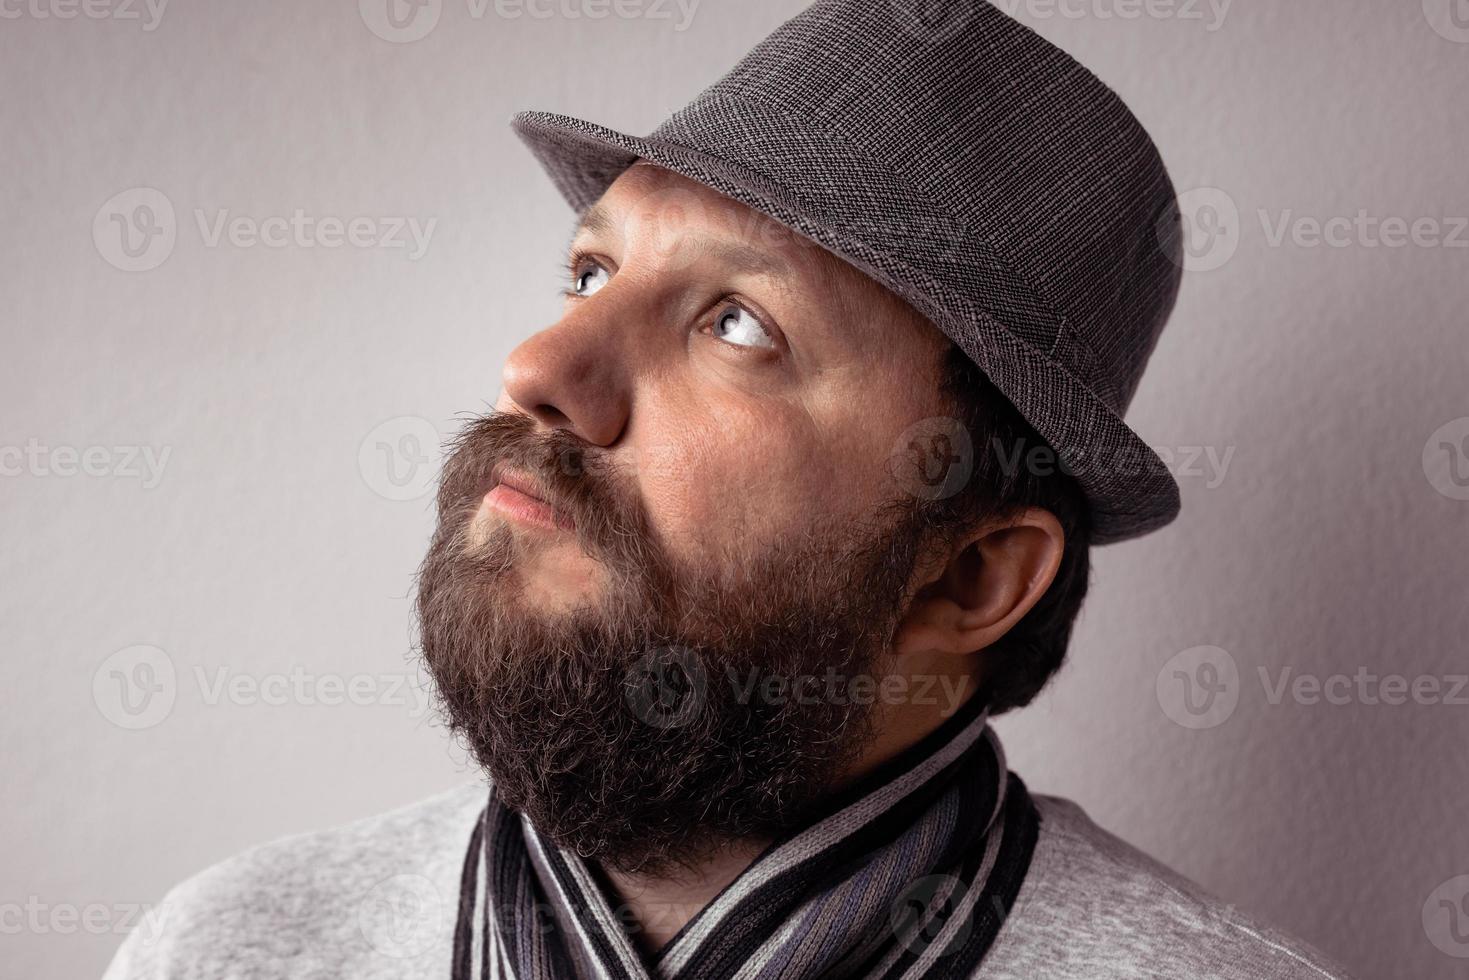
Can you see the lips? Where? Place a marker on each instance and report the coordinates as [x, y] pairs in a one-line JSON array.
[[521, 497]]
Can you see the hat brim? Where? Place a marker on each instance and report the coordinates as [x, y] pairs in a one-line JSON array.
[[1129, 490]]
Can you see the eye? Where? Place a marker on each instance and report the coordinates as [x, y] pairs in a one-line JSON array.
[[736, 325], [588, 276]]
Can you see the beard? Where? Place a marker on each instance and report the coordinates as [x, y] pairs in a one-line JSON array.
[[691, 704]]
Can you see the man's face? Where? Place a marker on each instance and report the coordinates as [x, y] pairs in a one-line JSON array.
[[715, 420], [742, 377]]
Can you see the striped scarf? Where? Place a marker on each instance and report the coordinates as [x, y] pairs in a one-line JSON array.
[[909, 873]]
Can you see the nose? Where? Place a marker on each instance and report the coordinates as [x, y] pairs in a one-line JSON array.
[[569, 377]]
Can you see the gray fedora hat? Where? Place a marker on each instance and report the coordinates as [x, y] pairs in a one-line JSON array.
[[974, 169]]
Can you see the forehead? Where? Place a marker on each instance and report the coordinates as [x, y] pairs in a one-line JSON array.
[[649, 203]]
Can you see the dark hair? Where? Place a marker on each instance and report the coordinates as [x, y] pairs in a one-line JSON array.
[[1021, 662]]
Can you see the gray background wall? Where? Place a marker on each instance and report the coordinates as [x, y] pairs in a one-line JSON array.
[[211, 650]]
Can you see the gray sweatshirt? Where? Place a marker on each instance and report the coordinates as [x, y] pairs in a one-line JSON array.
[[378, 898]]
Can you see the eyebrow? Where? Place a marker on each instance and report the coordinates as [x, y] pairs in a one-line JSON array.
[[598, 219]]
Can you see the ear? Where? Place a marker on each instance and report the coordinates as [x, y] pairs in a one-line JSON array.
[[984, 588]]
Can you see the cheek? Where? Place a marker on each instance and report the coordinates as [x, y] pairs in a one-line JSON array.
[[742, 477]]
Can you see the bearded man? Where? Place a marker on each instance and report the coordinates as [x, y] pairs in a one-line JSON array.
[[796, 495]]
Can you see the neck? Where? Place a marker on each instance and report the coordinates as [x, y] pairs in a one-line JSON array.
[[655, 908]]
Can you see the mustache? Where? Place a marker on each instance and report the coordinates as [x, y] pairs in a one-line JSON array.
[[582, 481]]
